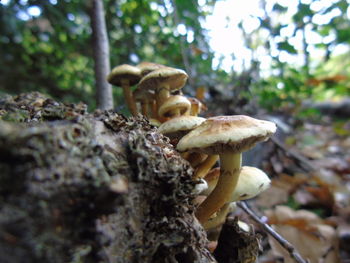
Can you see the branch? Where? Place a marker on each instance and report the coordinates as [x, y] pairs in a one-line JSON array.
[[284, 243]]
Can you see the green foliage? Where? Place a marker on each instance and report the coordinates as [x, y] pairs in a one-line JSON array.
[[52, 52]]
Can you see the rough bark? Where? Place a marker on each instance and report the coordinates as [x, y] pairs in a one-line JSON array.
[[79, 187], [101, 56]]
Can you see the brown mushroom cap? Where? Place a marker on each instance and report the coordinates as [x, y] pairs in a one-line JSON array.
[[226, 134], [173, 78], [177, 102], [147, 67], [122, 72]]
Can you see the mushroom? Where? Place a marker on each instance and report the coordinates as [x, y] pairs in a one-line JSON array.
[[126, 76], [177, 127], [164, 80], [227, 136], [252, 181], [174, 106]]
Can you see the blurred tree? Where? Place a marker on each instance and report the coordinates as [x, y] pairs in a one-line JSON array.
[[49, 50], [46, 46], [104, 96]]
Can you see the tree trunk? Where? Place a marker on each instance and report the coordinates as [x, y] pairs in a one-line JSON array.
[[79, 187], [104, 96]]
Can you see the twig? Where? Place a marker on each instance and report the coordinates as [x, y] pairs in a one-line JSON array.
[[284, 243]]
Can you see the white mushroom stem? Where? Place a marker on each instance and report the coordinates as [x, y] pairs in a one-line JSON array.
[[230, 166], [205, 167], [129, 97]]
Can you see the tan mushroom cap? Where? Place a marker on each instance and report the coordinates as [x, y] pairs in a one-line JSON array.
[[131, 73], [147, 67], [177, 102], [252, 181], [174, 78], [226, 134], [182, 123]]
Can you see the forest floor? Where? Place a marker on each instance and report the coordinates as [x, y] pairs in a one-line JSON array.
[[309, 199]]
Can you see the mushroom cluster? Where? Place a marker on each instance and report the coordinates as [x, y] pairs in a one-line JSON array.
[[202, 142]]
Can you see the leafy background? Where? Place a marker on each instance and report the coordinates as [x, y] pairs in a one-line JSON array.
[[52, 52]]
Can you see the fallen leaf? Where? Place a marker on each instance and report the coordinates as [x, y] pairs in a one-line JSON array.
[[314, 239]]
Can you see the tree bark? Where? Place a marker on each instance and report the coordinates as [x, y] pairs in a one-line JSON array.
[[104, 98], [78, 187]]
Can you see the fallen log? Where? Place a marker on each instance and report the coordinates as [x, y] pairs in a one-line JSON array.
[[79, 187]]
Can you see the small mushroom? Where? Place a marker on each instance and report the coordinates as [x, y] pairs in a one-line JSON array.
[[164, 80], [227, 136], [174, 106], [251, 182], [126, 76]]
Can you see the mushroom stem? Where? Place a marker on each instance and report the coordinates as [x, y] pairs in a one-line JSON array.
[[230, 166], [205, 167], [194, 110], [154, 111], [128, 96], [163, 94], [144, 108], [219, 219]]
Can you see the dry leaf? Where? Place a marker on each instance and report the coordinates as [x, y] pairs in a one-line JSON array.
[[310, 235]]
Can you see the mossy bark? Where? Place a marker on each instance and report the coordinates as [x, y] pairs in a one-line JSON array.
[[79, 187]]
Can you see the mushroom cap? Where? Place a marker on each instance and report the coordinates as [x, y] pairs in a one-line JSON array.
[[174, 102], [147, 67], [226, 134], [143, 95], [131, 73], [251, 182], [182, 123], [174, 78]]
